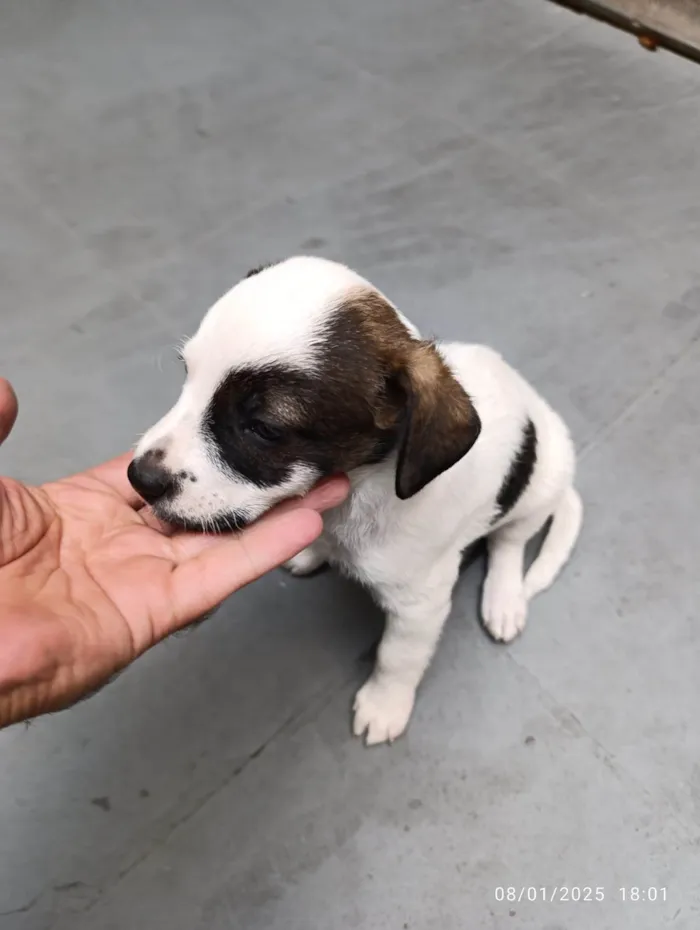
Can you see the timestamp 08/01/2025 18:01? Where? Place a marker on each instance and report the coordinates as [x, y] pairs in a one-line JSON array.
[[575, 893]]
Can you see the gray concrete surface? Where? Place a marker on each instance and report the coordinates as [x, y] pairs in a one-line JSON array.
[[507, 172]]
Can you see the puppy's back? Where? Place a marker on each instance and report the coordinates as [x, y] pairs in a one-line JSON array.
[[506, 402]]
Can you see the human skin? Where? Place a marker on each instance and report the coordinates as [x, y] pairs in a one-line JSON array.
[[89, 580]]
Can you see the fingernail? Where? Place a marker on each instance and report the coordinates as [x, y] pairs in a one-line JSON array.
[[330, 492]]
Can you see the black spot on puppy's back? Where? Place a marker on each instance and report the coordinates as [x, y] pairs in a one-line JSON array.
[[520, 472]]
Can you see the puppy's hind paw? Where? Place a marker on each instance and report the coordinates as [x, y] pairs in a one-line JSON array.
[[504, 611]]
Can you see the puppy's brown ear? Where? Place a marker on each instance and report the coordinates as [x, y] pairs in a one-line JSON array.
[[440, 425]]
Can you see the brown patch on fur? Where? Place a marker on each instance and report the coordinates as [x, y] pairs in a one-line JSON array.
[[368, 336], [285, 408], [442, 424], [412, 393]]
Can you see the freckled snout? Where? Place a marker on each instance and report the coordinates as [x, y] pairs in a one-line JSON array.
[[150, 478]]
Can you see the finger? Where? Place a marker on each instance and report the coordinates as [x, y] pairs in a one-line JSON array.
[[113, 474], [324, 496], [227, 563], [8, 408], [152, 521]]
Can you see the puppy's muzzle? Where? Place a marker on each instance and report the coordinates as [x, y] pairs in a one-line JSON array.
[[151, 479]]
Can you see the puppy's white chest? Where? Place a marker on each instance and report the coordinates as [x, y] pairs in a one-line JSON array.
[[357, 533]]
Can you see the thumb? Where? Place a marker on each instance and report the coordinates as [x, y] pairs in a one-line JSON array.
[[8, 409]]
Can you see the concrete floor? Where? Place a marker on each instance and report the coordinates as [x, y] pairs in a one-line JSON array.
[[508, 173]]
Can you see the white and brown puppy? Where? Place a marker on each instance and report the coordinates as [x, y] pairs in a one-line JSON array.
[[304, 369]]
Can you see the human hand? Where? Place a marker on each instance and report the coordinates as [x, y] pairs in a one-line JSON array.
[[89, 580]]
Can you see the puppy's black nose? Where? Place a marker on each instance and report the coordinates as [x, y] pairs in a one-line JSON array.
[[150, 478]]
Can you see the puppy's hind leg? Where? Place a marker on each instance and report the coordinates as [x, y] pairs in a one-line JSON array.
[[504, 601]]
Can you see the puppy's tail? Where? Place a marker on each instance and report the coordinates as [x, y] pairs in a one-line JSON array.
[[558, 543]]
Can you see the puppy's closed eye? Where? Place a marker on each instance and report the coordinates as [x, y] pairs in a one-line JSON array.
[[257, 419], [263, 430]]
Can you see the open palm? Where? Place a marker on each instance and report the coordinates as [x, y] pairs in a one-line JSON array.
[[89, 580]]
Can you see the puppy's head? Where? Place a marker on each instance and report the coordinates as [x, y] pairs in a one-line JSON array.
[[302, 370]]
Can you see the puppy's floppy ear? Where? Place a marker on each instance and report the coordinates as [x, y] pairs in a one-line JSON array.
[[440, 423]]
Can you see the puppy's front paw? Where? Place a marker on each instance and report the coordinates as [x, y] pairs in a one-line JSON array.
[[382, 710], [504, 610], [307, 562]]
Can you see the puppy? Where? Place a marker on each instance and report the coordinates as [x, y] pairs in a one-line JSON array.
[[304, 369]]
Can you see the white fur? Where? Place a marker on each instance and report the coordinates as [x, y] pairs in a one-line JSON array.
[[407, 552]]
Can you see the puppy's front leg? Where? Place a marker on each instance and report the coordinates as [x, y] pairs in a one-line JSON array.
[[414, 621]]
